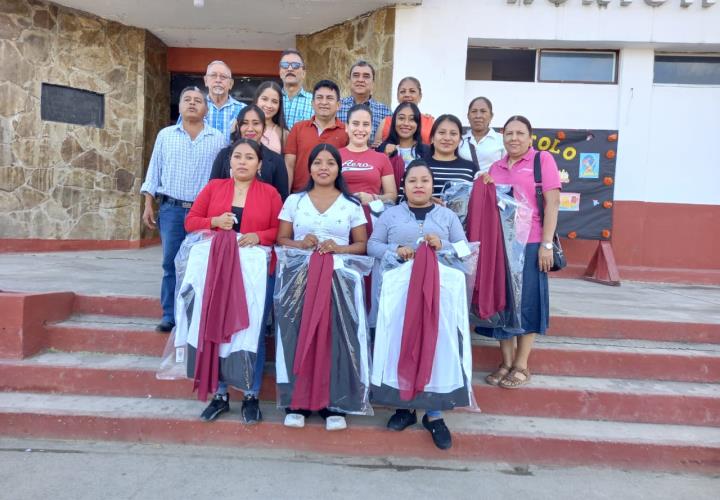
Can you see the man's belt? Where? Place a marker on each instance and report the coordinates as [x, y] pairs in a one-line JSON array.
[[163, 198]]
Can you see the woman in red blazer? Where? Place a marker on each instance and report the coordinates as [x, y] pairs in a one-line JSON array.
[[249, 206]]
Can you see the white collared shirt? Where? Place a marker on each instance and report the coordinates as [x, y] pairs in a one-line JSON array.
[[489, 149]]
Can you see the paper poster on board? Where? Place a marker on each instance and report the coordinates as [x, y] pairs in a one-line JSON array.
[[569, 202], [589, 166]]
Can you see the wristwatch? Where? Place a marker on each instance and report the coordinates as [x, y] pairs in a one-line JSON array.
[[547, 246]]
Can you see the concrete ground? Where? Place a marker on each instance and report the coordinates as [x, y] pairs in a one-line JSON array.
[[77, 470], [138, 272]]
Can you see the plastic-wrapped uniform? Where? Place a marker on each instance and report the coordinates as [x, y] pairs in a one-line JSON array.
[[349, 363], [237, 357], [450, 383]]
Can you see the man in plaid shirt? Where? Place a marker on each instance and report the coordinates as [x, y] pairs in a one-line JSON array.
[[222, 107], [179, 168], [297, 102], [362, 80]]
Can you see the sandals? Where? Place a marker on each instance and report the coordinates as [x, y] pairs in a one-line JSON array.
[[512, 381], [495, 377]]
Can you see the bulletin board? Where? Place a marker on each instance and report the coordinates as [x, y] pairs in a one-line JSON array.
[[586, 161]]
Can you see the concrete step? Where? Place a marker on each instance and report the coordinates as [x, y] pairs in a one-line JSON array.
[[519, 440], [106, 333], [561, 323], [547, 396], [613, 358]]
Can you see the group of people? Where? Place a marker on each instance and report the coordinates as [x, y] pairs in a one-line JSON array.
[[346, 176]]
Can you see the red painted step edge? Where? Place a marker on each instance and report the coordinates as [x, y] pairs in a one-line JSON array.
[[676, 366], [366, 441], [614, 328], [118, 305], [111, 341], [563, 326], [534, 400]]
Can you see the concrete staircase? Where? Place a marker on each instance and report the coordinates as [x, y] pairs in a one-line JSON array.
[[625, 393]]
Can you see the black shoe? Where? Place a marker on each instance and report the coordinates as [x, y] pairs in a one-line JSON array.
[[440, 433], [165, 326], [219, 404], [251, 410], [402, 419]]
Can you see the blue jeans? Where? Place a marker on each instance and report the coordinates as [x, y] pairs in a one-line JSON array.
[[260, 359], [171, 221]]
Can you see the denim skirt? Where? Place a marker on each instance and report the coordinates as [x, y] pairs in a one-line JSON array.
[[535, 305]]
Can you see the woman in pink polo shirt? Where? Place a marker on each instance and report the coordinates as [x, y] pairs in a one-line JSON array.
[[517, 169]]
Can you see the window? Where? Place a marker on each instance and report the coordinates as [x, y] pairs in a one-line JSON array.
[[687, 69], [577, 66], [505, 65], [68, 105], [519, 65]]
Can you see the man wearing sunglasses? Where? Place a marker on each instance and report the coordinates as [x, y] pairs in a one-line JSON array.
[[297, 102], [222, 107]]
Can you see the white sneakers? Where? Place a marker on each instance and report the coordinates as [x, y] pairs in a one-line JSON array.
[[297, 421], [294, 420], [335, 423]]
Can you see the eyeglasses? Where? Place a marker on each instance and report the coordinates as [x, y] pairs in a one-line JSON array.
[[290, 65], [222, 76]]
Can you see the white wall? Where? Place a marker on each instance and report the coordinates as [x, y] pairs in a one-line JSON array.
[[666, 132]]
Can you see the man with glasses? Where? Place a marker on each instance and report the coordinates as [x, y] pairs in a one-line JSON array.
[[297, 102], [222, 107], [179, 168], [323, 127], [362, 80]]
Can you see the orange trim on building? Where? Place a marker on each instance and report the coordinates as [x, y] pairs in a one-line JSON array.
[[242, 62], [658, 235]]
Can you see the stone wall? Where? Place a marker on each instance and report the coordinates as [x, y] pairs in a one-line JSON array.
[[157, 104], [330, 53], [64, 181]]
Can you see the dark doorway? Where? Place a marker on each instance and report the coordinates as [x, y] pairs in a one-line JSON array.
[[243, 90]]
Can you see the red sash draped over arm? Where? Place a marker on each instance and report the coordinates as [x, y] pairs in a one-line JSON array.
[[420, 329], [483, 225], [312, 354], [224, 310]]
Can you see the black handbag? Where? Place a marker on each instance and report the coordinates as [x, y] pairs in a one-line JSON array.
[[559, 260]]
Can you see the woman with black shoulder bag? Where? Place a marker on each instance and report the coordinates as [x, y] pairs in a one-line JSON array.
[[517, 168]]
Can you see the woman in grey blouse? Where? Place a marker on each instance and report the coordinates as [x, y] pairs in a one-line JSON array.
[[399, 231], [400, 227]]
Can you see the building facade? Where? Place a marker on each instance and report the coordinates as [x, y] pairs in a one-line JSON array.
[[647, 69]]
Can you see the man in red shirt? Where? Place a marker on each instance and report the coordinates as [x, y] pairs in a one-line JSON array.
[[323, 127]]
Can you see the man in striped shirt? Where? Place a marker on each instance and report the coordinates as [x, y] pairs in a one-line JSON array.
[[179, 168], [222, 107]]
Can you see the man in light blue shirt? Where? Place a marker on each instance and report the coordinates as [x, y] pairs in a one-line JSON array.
[[179, 168], [222, 107], [297, 102]]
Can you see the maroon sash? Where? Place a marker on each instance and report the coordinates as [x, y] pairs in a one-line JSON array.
[[420, 330], [224, 310], [483, 225], [312, 354]]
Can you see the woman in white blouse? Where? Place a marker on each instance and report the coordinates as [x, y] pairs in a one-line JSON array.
[[481, 144], [327, 218]]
